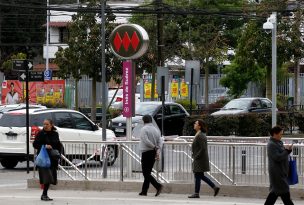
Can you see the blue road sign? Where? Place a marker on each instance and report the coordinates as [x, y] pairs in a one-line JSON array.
[[48, 75]]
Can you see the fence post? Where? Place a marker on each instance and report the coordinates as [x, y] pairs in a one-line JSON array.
[[86, 161], [233, 164], [121, 161], [244, 161]]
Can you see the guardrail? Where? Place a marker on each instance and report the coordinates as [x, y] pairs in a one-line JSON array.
[[232, 161]]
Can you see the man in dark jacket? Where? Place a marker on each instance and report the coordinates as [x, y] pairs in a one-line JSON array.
[[278, 167]]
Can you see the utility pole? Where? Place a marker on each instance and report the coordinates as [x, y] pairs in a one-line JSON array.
[[160, 44]]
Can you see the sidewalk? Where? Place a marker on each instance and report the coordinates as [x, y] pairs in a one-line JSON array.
[[27, 196]]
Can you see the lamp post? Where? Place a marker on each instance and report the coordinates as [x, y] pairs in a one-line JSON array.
[[271, 26]]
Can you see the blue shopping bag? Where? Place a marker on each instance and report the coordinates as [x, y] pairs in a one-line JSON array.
[[292, 173], [43, 159]]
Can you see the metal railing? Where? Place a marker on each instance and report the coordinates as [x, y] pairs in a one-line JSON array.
[[232, 161]]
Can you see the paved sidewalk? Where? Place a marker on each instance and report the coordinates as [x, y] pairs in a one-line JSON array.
[[25, 196]]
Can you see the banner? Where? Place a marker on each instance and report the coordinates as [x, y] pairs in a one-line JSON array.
[[148, 90], [184, 89], [174, 89], [51, 91]]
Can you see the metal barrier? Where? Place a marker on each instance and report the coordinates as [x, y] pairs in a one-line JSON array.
[[231, 163]]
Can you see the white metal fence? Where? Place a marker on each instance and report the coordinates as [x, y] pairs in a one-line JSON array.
[[232, 161]]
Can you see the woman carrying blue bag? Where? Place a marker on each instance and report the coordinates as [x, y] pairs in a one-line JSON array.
[[48, 137]]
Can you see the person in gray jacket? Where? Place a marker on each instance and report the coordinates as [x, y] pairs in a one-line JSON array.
[[201, 159], [150, 145], [278, 167]]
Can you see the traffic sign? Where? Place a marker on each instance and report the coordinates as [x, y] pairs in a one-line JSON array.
[[129, 41], [22, 64], [48, 74], [34, 76]]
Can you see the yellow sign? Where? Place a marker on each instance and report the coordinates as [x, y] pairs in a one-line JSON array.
[[184, 89], [147, 90], [174, 90]]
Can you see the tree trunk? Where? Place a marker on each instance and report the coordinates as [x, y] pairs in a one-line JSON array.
[[93, 108], [268, 84]]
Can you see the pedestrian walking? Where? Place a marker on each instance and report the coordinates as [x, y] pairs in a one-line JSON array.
[[150, 146], [201, 159], [278, 167], [49, 137]]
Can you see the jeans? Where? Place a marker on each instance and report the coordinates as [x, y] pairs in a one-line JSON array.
[[200, 176], [147, 163], [272, 197]]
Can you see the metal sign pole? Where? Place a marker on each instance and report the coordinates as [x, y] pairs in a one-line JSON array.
[[27, 119]]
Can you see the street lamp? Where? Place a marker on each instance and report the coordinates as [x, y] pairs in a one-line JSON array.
[[271, 26]]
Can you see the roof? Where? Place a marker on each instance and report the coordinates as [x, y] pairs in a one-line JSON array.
[[57, 24], [41, 67]]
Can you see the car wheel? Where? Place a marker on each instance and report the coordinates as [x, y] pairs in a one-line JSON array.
[[9, 163]]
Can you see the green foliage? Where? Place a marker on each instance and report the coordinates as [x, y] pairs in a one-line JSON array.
[[251, 124], [55, 105], [186, 103], [114, 112], [8, 64]]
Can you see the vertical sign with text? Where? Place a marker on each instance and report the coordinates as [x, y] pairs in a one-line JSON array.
[[128, 95]]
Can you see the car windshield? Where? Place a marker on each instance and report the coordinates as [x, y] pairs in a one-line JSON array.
[[145, 109], [13, 120], [238, 104]]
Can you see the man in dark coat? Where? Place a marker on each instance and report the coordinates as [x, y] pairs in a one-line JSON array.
[[201, 159], [278, 167]]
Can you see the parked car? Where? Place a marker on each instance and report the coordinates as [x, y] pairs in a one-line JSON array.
[[245, 105], [173, 120], [117, 102], [71, 126], [9, 107]]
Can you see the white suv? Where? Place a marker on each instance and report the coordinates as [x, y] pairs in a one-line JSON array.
[[71, 126]]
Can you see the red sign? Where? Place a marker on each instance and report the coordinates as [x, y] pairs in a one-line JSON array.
[[128, 94]]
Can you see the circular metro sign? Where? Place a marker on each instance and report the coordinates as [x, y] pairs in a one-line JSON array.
[[129, 41]]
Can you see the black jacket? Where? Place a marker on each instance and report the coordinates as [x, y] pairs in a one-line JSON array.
[[48, 137]]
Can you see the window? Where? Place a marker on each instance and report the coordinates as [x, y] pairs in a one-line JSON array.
[[37, 120], [63, 120], [63, 35], [266, 103], [175, 109], [81, 122], [13, 120]]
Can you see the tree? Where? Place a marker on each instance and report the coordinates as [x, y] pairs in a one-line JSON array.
[[83, 56], [205, 36], [252, 61]]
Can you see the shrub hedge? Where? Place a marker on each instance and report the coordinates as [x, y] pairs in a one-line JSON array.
[[251, 124]]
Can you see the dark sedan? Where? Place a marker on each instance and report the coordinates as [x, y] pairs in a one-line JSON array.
[[245, 105], [174, 118]]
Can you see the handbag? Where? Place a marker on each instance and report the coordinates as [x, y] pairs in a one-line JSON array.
[[54, 154], [43, 159], [292, 173]]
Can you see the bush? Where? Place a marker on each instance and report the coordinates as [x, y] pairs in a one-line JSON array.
[[186, 103], [55, 105], [251, 124]]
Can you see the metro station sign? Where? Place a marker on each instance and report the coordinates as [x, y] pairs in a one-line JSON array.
[[129, 41]]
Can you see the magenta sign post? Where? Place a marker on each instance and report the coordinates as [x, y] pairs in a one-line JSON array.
[[128, 91]]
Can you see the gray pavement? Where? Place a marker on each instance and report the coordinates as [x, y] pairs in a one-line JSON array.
[[24, 196]]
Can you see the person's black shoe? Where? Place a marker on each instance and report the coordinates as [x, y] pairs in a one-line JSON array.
[[142, 194], [194, 196], [46, 198], [159, 190], [216, 191]]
